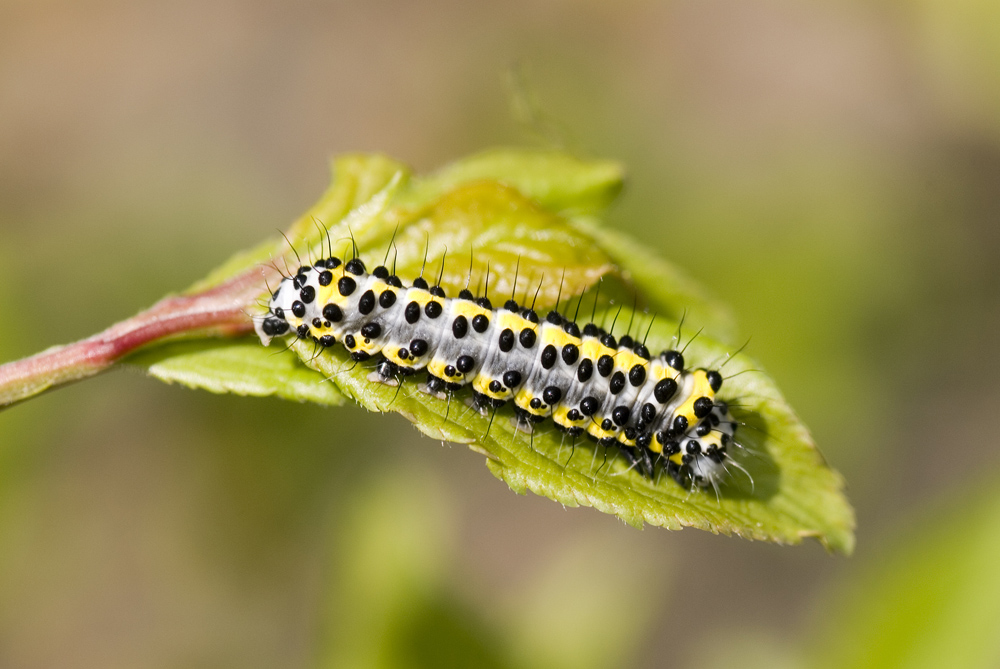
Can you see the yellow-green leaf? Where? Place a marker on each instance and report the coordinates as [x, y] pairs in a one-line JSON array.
[[241, 366]]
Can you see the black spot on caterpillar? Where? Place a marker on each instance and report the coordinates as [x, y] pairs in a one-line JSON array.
[[660, 415]]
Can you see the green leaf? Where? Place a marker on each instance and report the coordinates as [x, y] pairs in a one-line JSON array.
[[489, 225], [241, 366], [552, 179]]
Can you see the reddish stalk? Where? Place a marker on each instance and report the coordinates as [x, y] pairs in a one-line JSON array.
[[218, 311]]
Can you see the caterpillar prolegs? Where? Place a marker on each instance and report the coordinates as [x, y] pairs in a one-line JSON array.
[[661, 415]]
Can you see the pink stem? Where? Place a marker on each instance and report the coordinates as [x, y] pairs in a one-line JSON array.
[[218, 311]]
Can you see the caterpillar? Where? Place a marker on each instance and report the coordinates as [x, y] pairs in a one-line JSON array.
[[660, 415]]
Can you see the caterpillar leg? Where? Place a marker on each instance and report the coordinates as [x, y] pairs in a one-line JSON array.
[[386, 373], [522, 425], [484, 404], [434, 387], [524, 421], [645, 462]]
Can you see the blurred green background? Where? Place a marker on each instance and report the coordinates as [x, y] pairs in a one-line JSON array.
[[831, 170]]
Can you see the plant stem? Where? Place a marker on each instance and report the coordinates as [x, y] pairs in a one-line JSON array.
[[218, 311]]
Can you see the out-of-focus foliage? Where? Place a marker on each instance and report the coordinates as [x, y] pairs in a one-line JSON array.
[[934, 601], [830, 169], [392, 603]]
